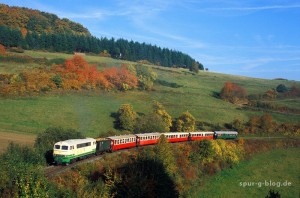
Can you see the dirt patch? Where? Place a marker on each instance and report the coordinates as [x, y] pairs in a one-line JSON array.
[[18, 138]]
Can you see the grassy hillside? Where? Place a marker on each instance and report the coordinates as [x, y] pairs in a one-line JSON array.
[[90, 112], [18, 138], [277, 166]]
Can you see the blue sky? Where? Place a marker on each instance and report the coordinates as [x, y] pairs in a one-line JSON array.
[[256, 38]]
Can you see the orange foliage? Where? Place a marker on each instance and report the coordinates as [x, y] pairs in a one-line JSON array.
[[26, 82], [37, 80], [233, 93], [121, 78], [2, 49], [23, 32], [77, 74]]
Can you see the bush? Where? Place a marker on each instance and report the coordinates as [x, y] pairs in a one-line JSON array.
[[16, 50], [45, 141], [150, 123], [281, 88], [126, 117], [2, 50]]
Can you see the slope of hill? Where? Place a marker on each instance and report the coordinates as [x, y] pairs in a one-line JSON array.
[[90, 111], [29, 20]]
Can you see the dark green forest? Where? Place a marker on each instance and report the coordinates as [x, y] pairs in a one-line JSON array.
[[34, 30]]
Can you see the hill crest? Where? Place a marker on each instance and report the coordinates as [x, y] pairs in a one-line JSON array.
[[36, 21]]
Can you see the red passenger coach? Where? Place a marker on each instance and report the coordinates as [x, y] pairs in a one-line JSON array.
[[122, 142], [147, 138], [201, 135], [177, 136]]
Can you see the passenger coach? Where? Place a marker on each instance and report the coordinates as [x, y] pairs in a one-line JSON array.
[[226, 134], [177, 136], [144, 139], [201, 135], [122, 142]]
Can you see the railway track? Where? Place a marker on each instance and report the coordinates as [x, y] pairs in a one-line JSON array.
[[52, 171]]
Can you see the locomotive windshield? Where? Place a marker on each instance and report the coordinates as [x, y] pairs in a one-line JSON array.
[[57, 146]]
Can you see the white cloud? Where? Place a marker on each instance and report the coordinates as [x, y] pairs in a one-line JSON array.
[[256, 8]]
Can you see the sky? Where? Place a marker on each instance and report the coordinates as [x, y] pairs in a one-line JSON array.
[[255, 38]]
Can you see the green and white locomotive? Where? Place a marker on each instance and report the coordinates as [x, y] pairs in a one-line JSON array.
[[69, 151]]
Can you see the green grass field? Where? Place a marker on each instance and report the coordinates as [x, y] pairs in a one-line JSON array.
[[90, 111], [17, 138], [254, 178]]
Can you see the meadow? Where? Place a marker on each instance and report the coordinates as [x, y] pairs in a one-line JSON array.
[[276, 170], [17, 138], [90, 111]]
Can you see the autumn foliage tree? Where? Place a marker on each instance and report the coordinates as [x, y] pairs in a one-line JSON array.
[[126, 117], [122, 79], [233, 93], [186, 122], [161, 112], [2, 50], [76, 73]]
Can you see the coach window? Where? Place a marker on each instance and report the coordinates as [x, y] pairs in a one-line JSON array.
[[64, 147]]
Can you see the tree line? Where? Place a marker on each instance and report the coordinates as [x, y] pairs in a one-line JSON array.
[[159, 120], [120, 48]]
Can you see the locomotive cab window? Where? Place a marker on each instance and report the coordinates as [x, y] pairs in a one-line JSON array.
[[57, 146]]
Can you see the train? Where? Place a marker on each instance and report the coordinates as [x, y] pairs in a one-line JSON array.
[[69, 151]]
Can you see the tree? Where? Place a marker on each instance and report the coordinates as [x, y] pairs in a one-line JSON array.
[[266, 123], [281, 88], [146, 77], [271, 94], [237, 124], [150, 123], [45, 140], [126, 117], [202, 151], [22, 173], [164, 154], [273, 194], [160, 111], [233, 93], [2, 50], [186, 122], [121, 78], [195, 67], [253, 124]]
